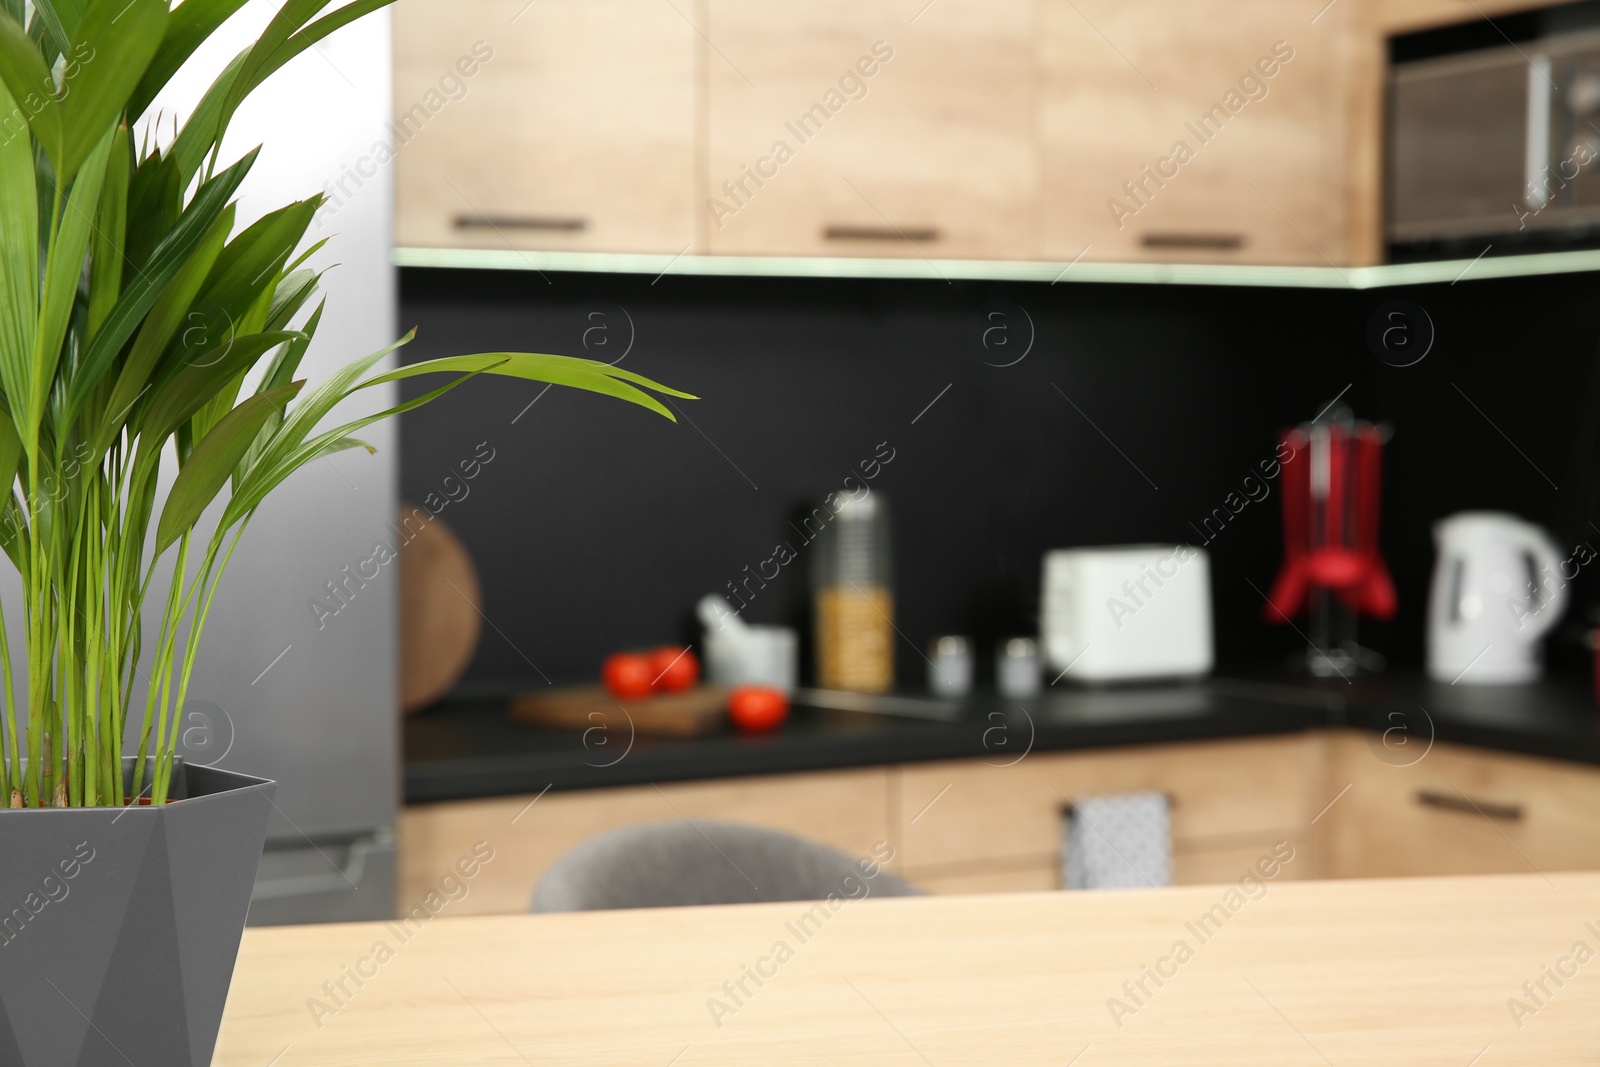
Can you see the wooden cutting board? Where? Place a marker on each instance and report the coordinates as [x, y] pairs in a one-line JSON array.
[[440, 615], [691, 713]]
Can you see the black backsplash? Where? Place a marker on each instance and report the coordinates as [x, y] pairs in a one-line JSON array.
[[1132, 414]]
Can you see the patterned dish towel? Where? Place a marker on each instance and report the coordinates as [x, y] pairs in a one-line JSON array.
[[1122, 841]]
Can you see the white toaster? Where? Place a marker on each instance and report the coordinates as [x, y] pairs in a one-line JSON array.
[[1126, 611]]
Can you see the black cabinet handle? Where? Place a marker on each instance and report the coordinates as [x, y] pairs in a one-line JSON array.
[[1213, 242], [520, 222], [880, 233], [1428, 798]]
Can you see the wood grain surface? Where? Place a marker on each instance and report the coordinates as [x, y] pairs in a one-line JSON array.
[[697, 711], [440, 613], [1415, 971]]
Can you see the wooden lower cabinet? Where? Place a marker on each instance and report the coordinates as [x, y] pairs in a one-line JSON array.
[[845, 809], [1035, 876], [968, 811], [1218, 864], [1457, 810], [1205, 864], [965, 826]]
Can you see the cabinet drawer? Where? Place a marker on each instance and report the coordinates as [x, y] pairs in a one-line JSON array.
[[963, 811], [1459, 811], [845, 809], [576, 132]]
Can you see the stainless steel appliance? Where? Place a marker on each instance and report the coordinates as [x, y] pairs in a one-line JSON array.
[[279, 691], [1498, 142]]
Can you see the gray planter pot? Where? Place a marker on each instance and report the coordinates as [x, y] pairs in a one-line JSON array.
[[119, 926]]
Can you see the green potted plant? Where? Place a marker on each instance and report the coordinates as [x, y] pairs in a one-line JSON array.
[[124, 875]]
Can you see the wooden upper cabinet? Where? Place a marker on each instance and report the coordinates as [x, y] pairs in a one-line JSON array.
[[1200, 131], [575, 128], [871, 127], [1403, 16]]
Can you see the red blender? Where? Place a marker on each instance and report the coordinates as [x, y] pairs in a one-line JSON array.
[[1332, 569]]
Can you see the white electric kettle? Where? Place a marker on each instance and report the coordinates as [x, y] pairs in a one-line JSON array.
[[1497, 587]]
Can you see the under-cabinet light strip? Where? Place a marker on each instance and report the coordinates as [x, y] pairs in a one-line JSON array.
[[1452, 270]]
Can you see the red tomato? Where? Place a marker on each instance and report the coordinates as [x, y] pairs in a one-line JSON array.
[[673, 667], [756, 709], [627, 675]]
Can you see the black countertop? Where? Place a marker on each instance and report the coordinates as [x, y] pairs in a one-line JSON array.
[[471, 747]]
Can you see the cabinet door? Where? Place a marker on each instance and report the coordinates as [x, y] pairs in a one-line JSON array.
[[1457, 810], [1404, 16], [575, 128], [1201, 131], [962, 816], [845, 809], [871, 127]]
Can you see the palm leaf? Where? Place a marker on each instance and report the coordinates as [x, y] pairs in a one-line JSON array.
[[55, 30], [213, 460], [123, 36], [192, 22], [586, 374], [161, 324], [19, 268], [165, 263], [105, 260], [64, 268], [193, 386], [131, 319], [25, 74]]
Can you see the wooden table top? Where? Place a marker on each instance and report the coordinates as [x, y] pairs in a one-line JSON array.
[[1452, 971]]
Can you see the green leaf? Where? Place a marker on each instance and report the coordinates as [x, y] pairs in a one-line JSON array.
[[32, 91], [280, 461], [196, 384], [587, 374], [155, 203], [250, 263], [290, 295], [201, 131], [192, 22], [169, 313], [279, 372], [285, 37], [313, 33], [55, 31], [310, 251], [113, 45], [19, 267], [63, 270], [289, 18], [212, 461], [283, 368], [165, 263], [10, 454], [316, 404], [105, 256]]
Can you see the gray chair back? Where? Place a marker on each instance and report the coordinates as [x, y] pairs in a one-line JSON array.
[[678, 863]]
